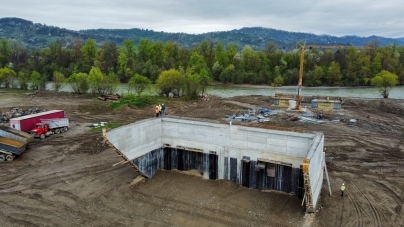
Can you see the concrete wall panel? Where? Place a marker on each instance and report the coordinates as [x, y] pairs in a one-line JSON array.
[[217, 151]]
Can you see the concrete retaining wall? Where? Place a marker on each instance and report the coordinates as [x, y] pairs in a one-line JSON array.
[[254, 157]]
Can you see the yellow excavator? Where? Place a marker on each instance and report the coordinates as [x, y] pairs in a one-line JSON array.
[[299, 96]]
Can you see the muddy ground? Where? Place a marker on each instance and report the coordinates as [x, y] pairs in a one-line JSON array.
[[69, 179]]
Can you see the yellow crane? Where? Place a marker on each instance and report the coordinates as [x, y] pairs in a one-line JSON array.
[[299, 97]]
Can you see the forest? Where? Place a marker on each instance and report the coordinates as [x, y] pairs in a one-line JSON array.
[[206, 62]]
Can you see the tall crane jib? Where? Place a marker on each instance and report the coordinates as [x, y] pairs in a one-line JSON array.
[[299, 90]]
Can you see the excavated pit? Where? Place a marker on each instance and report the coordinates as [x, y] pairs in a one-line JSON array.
[[256, 158]]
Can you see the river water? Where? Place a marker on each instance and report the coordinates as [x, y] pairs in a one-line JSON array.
[[239, 90], [361, 92]]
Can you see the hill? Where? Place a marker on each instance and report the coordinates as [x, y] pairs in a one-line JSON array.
[[38, 36]]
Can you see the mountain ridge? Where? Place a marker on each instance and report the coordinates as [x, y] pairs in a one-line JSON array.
[[37, 36]]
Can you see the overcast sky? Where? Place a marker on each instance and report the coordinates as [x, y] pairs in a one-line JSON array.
[[331, 17]]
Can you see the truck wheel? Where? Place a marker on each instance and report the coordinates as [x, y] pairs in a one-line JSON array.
[[62, 130], [57, 131], [66, 128], [42, 136], [2, 157], [9, 157]]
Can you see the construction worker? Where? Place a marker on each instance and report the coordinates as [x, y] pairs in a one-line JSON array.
[[160, 108], [342, 189], [163, 109], [157, 109]]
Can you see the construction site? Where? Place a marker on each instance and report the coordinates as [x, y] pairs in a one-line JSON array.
[[206, 163]]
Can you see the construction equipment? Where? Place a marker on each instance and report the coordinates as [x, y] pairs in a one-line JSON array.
[[27, 123], [299, 96], [48, 127], [12, 143]]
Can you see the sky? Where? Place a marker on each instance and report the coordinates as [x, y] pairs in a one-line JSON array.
[[336, 17]]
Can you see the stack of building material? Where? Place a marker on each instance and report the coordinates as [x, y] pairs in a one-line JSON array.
[[311, 120], [105, 97]]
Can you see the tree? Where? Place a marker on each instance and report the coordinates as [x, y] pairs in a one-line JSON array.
[[7, 76], [58, 80], [96, 80], [278, 82], [275, 74], [37, 81], [227, 74], [317, 75], [19, 54], [191, 86], [23, 79], [170, 81], [197, 63], [221, 55], [139, 83], [122, 66], [204, 80], [216, 70], [108, 57], [78, 82], [129, 48], [377, 64], [334, 74], [89, 51], [5, 52], [111, 83], [144, 50], [385, 81]]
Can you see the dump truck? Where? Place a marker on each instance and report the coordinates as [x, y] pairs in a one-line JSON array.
[[48, 127], [12, 143], [27, 123]]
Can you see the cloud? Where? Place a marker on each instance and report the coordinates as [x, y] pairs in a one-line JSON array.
[[359, 17]]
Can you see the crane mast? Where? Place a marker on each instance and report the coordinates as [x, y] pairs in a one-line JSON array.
[[299, 91]]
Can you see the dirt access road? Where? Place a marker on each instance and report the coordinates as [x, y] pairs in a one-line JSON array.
[[68, 179]]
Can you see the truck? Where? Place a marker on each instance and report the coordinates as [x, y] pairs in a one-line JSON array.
[[12, 143], [51, 126], [27, 123]]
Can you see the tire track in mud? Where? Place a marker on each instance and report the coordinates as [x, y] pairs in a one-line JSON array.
[[359, 140], [375, 213], [65, 176], [397, 198], [357, 209]]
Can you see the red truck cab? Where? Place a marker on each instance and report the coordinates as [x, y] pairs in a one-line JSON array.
[[41, 130]]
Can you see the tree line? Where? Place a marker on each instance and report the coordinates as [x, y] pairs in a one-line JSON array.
[[85, 67]]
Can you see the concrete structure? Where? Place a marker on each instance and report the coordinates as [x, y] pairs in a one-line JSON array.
[[254, 157], [326, 104], [282, 100]]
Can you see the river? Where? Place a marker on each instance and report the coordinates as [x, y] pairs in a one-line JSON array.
[[237, 90], [360, 92]]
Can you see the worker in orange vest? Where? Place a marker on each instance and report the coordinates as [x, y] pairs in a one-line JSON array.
[[157, 108]]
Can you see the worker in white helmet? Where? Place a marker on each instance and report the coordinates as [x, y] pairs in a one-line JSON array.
[[342, 189]]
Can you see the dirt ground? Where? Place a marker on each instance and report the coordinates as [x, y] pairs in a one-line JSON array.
[[69, 179]]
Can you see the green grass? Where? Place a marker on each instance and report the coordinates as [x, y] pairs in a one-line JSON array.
[[110, 125], [131, 100]]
